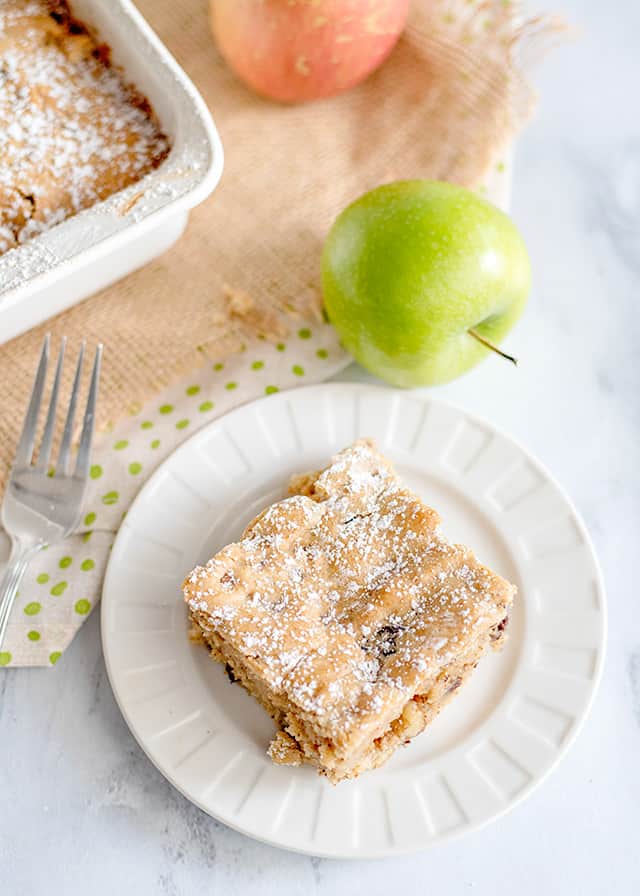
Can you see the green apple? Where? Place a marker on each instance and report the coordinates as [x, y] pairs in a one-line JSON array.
[[421, 279]]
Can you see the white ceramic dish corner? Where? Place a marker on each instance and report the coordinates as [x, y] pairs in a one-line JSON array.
[[490, 748], [101, 244]]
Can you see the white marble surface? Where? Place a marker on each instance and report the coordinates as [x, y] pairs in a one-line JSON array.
[[83, 811]]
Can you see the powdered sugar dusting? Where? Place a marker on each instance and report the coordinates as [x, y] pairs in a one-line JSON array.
[[346, 596], [73, 132]]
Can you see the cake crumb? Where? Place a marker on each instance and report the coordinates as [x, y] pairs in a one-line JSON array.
[[283, 750]]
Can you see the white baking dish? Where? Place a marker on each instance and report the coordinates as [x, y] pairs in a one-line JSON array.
[[103, 243]]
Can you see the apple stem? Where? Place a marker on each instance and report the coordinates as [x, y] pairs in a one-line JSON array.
[[494, 348]]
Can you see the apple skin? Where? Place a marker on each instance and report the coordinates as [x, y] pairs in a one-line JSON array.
[[299, 50], [409, 268]]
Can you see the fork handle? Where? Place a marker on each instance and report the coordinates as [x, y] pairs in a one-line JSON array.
[[21, 554]]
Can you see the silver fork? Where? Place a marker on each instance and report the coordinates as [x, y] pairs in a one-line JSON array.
[[39, 509]]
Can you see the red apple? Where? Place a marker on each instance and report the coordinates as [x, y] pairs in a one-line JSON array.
[[297, 50]]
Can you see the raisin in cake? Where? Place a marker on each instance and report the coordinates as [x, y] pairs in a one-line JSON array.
[[346, 612]]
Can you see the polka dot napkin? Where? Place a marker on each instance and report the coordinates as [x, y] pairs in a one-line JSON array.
[[63, 583]]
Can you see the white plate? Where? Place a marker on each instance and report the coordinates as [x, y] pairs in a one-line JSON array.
[[496, 741]]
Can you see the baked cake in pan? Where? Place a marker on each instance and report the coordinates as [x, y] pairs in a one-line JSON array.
[[72, 130]]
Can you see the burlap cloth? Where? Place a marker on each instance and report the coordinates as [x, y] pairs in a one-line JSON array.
[[446, 103]]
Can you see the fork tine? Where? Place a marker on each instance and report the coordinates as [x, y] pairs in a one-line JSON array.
[[65, 445], [47, 438], [84, 451], [28, 435]]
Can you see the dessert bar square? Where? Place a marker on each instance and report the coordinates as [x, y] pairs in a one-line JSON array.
[[346, 612]]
